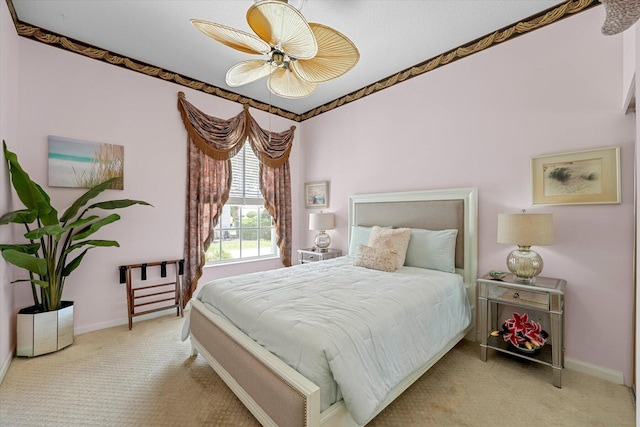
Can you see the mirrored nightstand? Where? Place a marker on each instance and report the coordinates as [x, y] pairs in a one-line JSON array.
[[546, 296], [313, 255]]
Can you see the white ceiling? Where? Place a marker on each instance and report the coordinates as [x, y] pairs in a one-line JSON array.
[[391, 35]]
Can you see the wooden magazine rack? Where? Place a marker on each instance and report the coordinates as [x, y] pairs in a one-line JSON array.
[[158, 294]]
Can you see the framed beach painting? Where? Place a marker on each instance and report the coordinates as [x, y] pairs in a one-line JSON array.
[[580, 177], [84, 164], [316, 194]]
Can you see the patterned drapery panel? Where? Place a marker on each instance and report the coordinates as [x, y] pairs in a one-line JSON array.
[[212, 142], [272, 149]]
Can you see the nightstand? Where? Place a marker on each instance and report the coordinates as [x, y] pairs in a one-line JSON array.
[[546, 295], [313, 255]]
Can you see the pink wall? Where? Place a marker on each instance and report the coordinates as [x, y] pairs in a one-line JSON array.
[[477, 123], [8, 131], [65, 94], [632, 56]]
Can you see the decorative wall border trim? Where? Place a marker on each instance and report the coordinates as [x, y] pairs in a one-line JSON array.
[[534, 22]]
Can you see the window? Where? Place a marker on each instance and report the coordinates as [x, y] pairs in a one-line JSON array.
[[245, 228]]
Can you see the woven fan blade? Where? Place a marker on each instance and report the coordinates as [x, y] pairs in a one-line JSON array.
[[283, 27], [286, 84], [621, 14], [336, 55], [239, 40], [247, 71]]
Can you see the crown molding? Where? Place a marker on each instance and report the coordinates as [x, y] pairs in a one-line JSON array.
[[525, 26]]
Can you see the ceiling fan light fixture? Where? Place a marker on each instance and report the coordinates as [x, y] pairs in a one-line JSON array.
[[336, 55], [286, 84], [236, 39], [247, 71], [278, 59], [283, 27], [620, 15], [298, 4], [301, 55]]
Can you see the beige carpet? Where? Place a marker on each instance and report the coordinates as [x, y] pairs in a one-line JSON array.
[[145, 377]]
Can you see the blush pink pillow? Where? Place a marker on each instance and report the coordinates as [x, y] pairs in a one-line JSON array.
[[393, 239]]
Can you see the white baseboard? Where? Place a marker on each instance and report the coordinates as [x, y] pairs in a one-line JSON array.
[[615, 377], [594, 370], [5, 365]]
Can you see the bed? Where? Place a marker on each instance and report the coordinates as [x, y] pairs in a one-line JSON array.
[[284, 389]]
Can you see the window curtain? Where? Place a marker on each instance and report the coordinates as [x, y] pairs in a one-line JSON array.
[[212, 142]]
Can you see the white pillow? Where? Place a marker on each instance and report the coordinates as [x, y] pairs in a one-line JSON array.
[[433, 249], [394, 239], [359, 236]]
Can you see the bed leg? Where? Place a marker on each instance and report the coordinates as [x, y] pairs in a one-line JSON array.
[[194, 350]]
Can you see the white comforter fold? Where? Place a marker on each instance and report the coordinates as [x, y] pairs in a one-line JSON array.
[[355, 332]]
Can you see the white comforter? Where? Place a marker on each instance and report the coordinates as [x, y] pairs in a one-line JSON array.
[[355, 332]]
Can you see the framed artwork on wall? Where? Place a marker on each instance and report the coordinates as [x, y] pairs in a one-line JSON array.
[[84, 164], [316, 194], [579, 177]]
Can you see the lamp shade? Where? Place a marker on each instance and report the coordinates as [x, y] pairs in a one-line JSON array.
[[321, 221], [526, 229]]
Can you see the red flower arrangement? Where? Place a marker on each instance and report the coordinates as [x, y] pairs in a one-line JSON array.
[[522, 333]]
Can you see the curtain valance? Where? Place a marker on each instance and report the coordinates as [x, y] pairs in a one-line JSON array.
[[222, 139], [217, 138]]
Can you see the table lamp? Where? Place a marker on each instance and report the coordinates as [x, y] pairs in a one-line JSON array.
[[321, 222], [525, 230]]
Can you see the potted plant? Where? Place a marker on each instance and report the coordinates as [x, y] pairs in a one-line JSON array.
[[56, 247]]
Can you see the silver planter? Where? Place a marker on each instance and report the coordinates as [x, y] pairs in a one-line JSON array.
[[44, 332]]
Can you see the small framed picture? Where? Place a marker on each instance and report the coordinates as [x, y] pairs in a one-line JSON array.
[[316, 194], [579, 177]]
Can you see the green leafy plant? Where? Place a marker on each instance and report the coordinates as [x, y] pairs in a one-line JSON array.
[[56, 246]]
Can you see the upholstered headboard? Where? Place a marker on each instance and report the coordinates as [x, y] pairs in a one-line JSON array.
[[429, 209]]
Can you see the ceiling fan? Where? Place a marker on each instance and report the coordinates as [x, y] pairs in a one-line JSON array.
[[301, 54]]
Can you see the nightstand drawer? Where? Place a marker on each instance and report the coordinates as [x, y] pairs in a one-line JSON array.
[[519, 296], [310, 257]]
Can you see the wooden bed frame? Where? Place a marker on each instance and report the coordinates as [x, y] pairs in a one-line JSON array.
[[275, 393]]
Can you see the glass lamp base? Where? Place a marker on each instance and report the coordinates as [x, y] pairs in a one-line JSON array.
[[322, 242], [525, 264]]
